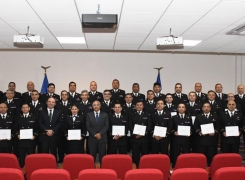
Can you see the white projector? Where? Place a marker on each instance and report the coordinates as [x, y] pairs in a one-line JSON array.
[[28, 41], [170, 42]]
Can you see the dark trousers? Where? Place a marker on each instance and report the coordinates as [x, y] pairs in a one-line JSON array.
[[6, 149], [22, 154], [113, 149], [208, 151], [159, 147], [138, 150], [15, 147], [194, 141], [47, 146], [230, 148], [86, 141], [61, 150], [97, 147], [75, 148], [177, 149]]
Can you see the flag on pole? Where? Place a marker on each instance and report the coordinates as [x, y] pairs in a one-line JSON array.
[[159, 78], [44, 89]]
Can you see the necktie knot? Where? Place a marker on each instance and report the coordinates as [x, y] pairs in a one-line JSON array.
[[118, 116], [232, 114], [206, 116], [139, 112], [3, 117], [182, 116], [159, 113]]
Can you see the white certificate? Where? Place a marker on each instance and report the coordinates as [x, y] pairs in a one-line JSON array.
[[74, 134], [139, 129], [26, 133], [160, 131], [232, 131], [207, 128], [193, 119], [5, 133], [173, 114], [118, 130], [184, 130]]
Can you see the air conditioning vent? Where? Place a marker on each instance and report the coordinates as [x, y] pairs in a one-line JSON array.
[[240, 30]]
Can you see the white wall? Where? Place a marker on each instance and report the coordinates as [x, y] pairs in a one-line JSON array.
[[103, 67]]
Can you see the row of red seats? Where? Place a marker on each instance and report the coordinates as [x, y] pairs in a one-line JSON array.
[[74, 163], [228, 173]]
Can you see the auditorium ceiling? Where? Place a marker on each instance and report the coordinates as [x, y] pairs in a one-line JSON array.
[[140, 23]]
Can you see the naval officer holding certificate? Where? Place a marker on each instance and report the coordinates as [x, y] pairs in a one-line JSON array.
[[26, 130], [207, 141], [140, 145], [6, 124], [181, 140], [75, 131], [118, 129], [234, 120], [161, 120]]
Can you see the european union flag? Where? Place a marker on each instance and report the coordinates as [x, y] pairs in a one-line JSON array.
[[44, 89], [159, 79]]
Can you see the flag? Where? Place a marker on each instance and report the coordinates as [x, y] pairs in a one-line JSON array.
[[44, 89], [159, 79]]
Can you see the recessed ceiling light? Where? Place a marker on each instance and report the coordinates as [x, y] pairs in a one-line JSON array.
[[191, 42], [71, 40]]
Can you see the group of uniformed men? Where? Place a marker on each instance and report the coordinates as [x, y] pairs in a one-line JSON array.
[[50, 116]]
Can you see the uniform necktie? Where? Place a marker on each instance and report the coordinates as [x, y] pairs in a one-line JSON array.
[[178, 96], [157, 95], [241, 96], [64, 104], [3, 117], [34, 104], [182, 117], [136, 94], [150, 102], [50, 115], [232, 114], [8, 102], [85, 103], [139, 112], [206, 116], [97, 117], [107, 103], [159, 113], [74, 118], [169, 106], [118, 116]]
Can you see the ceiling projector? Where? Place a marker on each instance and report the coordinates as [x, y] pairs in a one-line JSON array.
[[28, 40]]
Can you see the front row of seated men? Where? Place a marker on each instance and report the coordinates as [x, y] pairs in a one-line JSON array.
[[50, 126]]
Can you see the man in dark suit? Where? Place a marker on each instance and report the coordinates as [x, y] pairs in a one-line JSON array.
[[49, 122], [73, 95], [140, 143], [13, 105], [180, 143], [207, 142], [35, 105], [136, 95], [157, 92], [193, 108], [150, 104], [169, 106], [117, 142], [117, 95], [51, 90], [216, 106], [107, 104], [128, 108], [178, 96], [26, 121], [221, 97], [17, 95], [161, 118], [26, 96], [97, 125], [6, 122], [94, 94], [231, 97], [240, 98], [201, 97], [231, 118]]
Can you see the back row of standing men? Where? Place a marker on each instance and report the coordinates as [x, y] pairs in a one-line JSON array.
[[193, 102]]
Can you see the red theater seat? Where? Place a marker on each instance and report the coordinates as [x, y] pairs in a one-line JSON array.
[[144, 174], [39, 161], [74, 163], [156, 161], [120, 163], [50, 174], [225, 160], [97, 174]]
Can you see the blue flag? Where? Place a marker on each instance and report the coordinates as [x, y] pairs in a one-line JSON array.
[[44, 89], [159, 79]]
